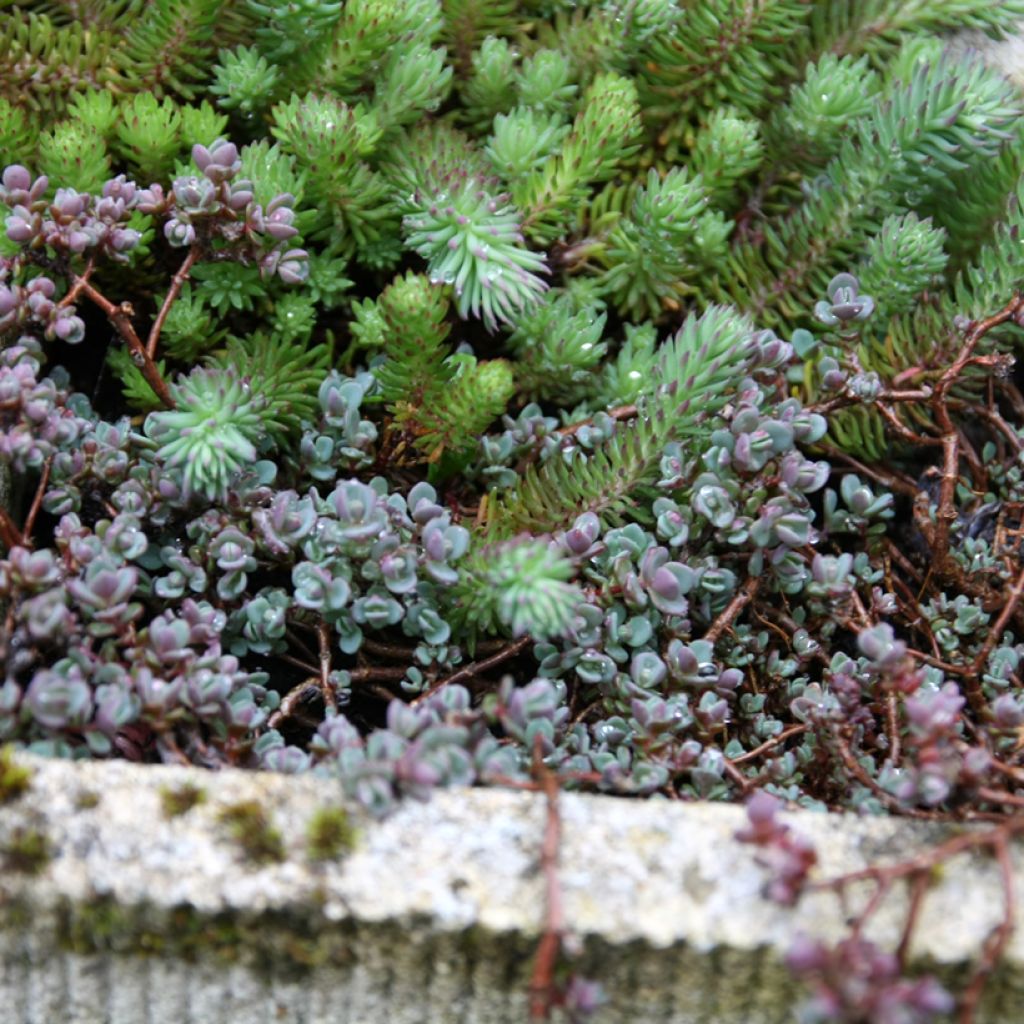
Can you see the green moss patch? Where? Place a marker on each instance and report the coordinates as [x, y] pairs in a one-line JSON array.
[[86, 800], [250, 827], [26, 850], [329, 834], [178, 800], [15, 779]]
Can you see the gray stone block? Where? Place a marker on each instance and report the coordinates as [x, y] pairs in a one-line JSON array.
[[433, 915]]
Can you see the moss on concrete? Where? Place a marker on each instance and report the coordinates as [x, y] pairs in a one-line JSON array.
[[288, 943], [15, 779], [250, 827], [285, 943], [26, 850], [329, 834], [178, 800]]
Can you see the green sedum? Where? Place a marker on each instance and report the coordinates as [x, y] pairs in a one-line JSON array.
[[435, 392]]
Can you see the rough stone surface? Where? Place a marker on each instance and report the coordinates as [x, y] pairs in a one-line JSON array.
[[435, 912], [1006, 54]]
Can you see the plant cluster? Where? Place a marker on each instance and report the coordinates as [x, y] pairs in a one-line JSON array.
[[619, 392]]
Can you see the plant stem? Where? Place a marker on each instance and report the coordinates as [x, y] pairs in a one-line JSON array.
[[120, 316], [173, 291]]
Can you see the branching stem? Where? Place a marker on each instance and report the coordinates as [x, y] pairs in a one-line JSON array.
[[177, 282], [120, 316]]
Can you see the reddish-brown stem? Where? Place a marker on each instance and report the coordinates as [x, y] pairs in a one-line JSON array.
[[908, 374], [1008, 770], [939, 663], [854, 767], [620, 412], [528, 785], [728, 614], [296, 640], [892, 479], [997, 796], [900, 430], [993, 417], [975, 333], [583, 712], [37, 502], [79, 283], [383, 674], [793, 730], [323, 633], [918, 888], [1012, 395], [946, 514], [882, 887], [299, 663], [843, 400], [166, 743], [120, 317], [477, 667], [1013, 597], [543, 995], [996, 943], [978, 471], [892, 729], [862, 612], [929, 858], [899, 557], [173, 291], [10, 535], [738, 778], [378, 691], [396, 652]]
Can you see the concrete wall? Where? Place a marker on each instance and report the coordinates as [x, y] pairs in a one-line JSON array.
[[134, 917]]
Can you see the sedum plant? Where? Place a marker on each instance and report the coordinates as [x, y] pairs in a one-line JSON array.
[[619, 394]]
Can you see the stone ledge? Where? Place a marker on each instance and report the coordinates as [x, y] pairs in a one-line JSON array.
[[430, 915], [1005, 54]]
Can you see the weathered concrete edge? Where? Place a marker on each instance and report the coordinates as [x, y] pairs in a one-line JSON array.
[[656, 890], [1006, 54]]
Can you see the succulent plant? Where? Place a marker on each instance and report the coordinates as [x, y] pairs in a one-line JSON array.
[[619, 395]]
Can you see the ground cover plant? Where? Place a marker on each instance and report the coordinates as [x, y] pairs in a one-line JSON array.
[[613, 395]]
